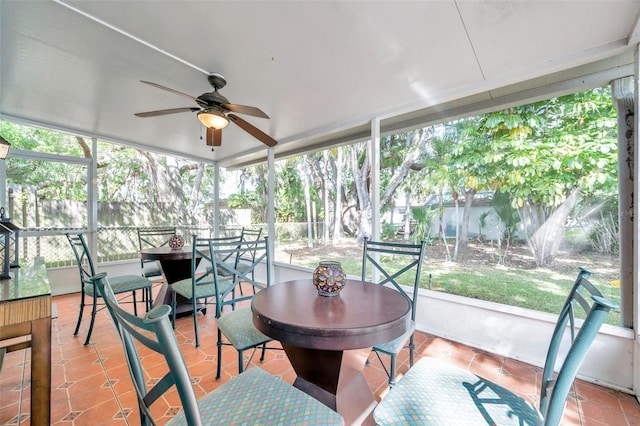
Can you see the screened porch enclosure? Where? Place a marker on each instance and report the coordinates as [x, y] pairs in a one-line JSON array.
[[350, 82]]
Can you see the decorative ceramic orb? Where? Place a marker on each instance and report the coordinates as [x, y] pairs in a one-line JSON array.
[[329, 278], [176, 242]]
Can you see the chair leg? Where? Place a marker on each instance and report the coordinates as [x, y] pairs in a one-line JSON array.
[[173, 309], [264, 350], [75, 333], [135, 305], [148, 299], [233, 296], [93, 318], [412, 348], [194, 301], [219, 368], [392, 371], [240, 362]]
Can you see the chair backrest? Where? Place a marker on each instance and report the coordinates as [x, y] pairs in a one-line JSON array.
[[155, 236], [83, 258], [250, 235], [155, 332], [397, 264], [223, 255], [585, 296]]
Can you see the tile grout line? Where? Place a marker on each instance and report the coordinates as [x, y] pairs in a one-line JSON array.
[[115, 394]]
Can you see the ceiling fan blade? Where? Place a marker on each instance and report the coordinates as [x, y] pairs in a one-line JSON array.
[[252, 130], [165, 111], [243, 109], [214, 136], [159, 86]]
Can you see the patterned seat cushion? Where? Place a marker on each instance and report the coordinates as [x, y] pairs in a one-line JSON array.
[[256, 397], [152, 269], [123, 284], [434, 392], [238, 328], [394, 346], [203, 289]]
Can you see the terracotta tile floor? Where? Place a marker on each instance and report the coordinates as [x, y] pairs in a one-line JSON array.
[[91, 385]]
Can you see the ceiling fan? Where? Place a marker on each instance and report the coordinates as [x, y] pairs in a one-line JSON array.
[[215, 112]]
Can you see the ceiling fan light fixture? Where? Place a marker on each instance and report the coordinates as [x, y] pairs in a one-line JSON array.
[[213, 118]]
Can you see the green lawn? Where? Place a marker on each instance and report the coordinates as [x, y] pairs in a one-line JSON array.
[[537, 288]]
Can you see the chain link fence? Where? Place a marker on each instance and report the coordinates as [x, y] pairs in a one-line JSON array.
[[120, 243]]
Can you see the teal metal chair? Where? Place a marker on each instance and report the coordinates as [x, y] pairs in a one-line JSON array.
[[434, 392], [211, 286], [201, 287], [121, 284], [395, 263], [153, 237], [235, 327], [244, 261], [254, 397]]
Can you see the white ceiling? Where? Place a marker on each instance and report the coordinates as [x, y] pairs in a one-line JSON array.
[[320, 69]]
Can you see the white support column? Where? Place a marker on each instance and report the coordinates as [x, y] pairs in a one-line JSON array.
[[636, 230], [374, 153], [92, 199], [375, 179], [271, 211], [623, 95], [216, 200]]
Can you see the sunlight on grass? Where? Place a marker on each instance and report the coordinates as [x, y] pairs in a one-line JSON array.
[[538, 289]]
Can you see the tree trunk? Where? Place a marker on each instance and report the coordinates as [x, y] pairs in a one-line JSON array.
[[337, 211], [466, 215], [195, 199], [168, 187], [410, 162], [457, 224], [361, 181], [307, 202], [441, 229], [545, 241], [325, 198], [407, 216]]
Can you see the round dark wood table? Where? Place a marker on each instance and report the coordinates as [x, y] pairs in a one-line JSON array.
[[328, 339], [176, 266]]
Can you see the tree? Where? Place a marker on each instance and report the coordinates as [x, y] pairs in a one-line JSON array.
[[125, 175], [337, 220], [548, 153], [400, 158]]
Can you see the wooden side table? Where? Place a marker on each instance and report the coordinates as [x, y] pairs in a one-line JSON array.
[[25, 310]]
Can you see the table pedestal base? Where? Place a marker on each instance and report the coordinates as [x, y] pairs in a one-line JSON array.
[[174, 271], [184, 306], [335, 379]]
